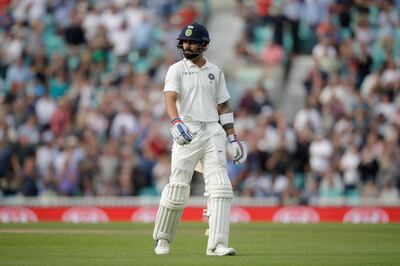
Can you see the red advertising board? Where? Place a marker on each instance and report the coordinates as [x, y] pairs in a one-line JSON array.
[[289, 214]]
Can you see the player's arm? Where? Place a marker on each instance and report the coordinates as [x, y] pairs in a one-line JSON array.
[[179, 131], [170, 102], [226, 118], [239, 150]]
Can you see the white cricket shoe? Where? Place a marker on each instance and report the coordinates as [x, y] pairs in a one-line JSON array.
[[221, 250], [162, 247]]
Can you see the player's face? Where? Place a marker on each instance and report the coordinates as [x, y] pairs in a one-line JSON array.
[[190, 49]]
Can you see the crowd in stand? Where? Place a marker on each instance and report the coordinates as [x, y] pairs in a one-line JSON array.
[[82, 110], [81, 83], [345, 141]]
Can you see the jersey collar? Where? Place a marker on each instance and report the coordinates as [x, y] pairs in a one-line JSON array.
[[191, 64], [207, 64]]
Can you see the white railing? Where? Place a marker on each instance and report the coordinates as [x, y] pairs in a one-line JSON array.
[[193, 201]]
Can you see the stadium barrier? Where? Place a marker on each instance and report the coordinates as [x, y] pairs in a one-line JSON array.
[[144, 209]]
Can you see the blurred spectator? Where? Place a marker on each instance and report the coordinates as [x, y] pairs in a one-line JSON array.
[[123, 123], [61, 119], [272, 54], [18, 75], [244, 50], [321, 152], [161, 172], [28, 186], [331, 185], [255, 100], [292, 13], [108, 164], [310, 191], [257, 184], [67, 178], [46, 153], [325, 56], [45, 107], [6, 151], [121, 40], [58, 85], [369, 190], [128, 170], [349, 165], [389, 193], [301, 155], [62, 11], [22, 151], [308, 116], [112, 17], [74, 34], [13, 44], [91, 22]]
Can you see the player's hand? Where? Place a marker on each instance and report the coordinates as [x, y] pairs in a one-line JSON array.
[[180, 132], [238, 148]]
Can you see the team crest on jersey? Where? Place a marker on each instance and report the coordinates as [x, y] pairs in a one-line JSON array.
[[211, 76], [188, 32]]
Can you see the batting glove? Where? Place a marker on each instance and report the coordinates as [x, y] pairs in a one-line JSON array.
[[180, 132], [238, 148]]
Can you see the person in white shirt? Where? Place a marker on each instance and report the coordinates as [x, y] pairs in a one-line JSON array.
[[44, 109], [123, 123], [196, 100], [349, 165], [121, 40], [92, 22], [321, 151]]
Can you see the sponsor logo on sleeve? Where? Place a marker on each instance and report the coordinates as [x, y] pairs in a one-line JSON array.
[[17, 215], [296, 214], [84, 215], [366, 215]]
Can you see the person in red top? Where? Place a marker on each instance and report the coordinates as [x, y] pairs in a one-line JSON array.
[[60, 121]]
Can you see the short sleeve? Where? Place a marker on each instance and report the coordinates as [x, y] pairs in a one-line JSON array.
[[172, 80], [222, 90]]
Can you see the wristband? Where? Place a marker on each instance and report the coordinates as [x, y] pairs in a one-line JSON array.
[[226, 118], [175, 121], [232, 138]]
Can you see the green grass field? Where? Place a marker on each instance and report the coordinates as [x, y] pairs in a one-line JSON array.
[[256, 244]]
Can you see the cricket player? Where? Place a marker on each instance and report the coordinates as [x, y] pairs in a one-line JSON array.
[[196, 100]]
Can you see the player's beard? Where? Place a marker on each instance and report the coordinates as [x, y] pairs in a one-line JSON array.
[[188, 54]]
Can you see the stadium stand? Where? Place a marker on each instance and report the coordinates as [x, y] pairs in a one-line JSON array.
[[315, 86]]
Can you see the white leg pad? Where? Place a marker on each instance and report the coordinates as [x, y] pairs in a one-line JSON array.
[[173, 200], [220, 195]]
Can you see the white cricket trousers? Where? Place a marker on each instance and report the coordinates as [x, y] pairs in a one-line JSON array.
[[208, 147]]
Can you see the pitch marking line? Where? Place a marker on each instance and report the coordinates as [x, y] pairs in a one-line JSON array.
[[71, 231]]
